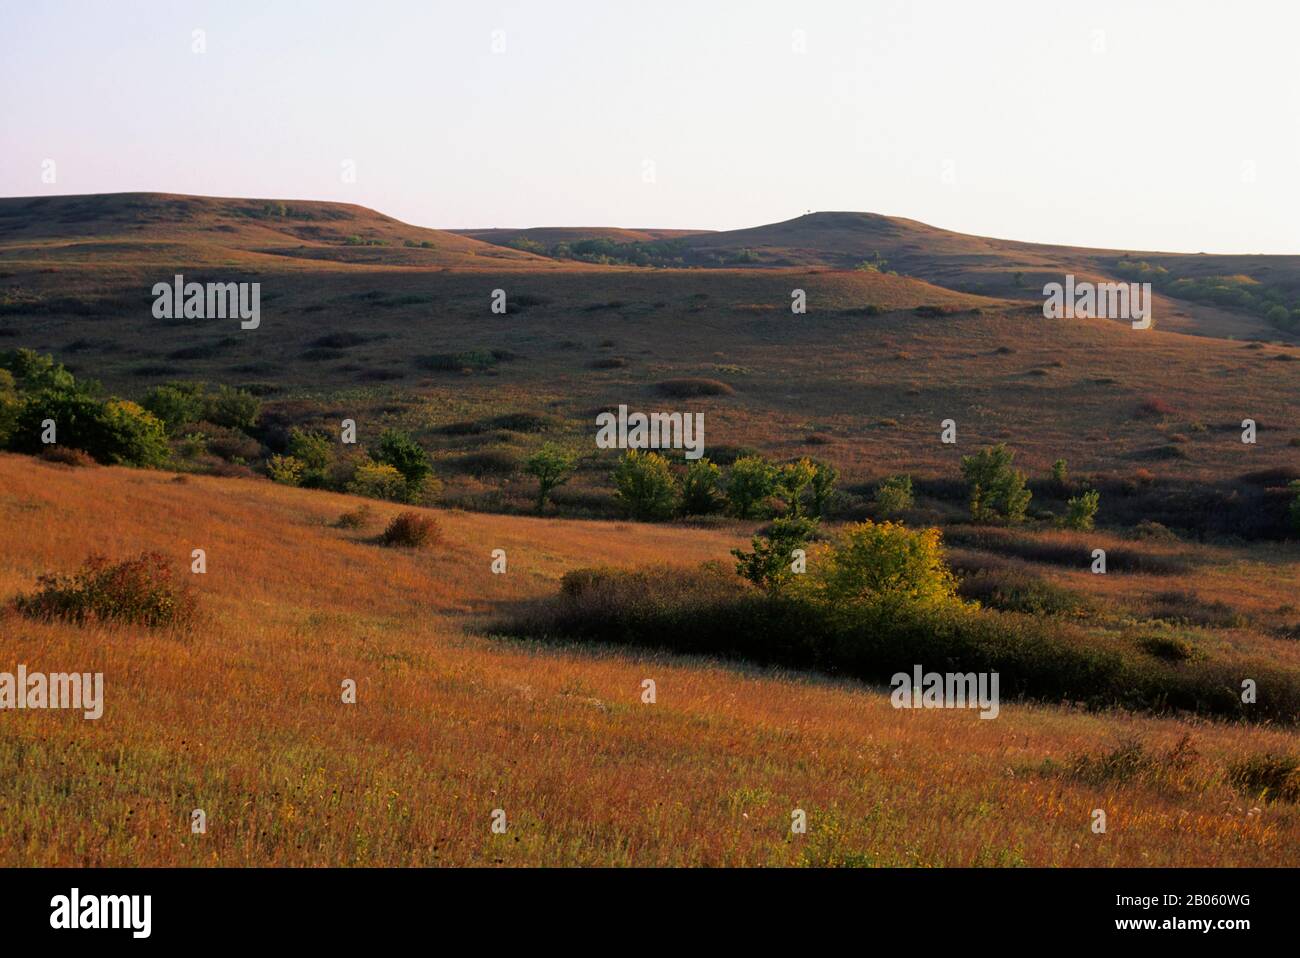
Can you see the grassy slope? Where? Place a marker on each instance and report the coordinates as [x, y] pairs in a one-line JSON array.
[[243, 718]]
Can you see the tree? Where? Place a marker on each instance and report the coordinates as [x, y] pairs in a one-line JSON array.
[[551, 466], [644, 485], [885, 565], [792, 480], [399, 450], [995, 488], [700, 488], [823, 486], [771, 565], [751, 480]]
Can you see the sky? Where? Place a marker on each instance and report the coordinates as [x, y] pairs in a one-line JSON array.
[[1132, 125]]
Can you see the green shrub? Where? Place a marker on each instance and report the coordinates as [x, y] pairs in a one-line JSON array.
[[771, 565], [313, 449], [355, 518], [177, 404], [894, 496], [378, 480], [136, 591], [117, 431], [750, 481], [996, 489], [700, 495], [232, 408], [551, 466], [645, 486], [286, 470], [1083, 510]]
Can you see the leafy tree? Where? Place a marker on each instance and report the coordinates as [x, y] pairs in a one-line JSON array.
[[771, 565], [551, 466], [750, 481], [885, 565], [1083, 509], [823, 486], [1060, 474], [33, 372], [644, 485], [894, 495], [399, 450], [995, 487], [700, 488], [792, 479]]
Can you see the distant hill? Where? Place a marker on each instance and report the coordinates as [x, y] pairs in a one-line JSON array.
[[973, 264], [137, 228]]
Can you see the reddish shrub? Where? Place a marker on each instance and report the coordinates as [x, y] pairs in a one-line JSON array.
[[139, 591], [412, 530]]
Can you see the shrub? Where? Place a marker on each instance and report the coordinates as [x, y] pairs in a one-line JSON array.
[[116, 431], [177, 404], [771, 565], [894, 496], [1293, 511], [233, 408], [690, 388], [1060, 475], [68, 456], [136, 591], [644, 485], [1170, 648], [378, 480], [750, 481], [286, 470], [551, 466], [313, 449], [1083, 510], [411, 530], [700, 488], [995, 487], [1014, 591], [355, 518]]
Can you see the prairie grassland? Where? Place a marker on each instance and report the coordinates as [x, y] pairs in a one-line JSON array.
[[243, 717]]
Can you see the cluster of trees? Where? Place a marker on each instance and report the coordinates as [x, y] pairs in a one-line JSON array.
[[998, 491], [40, 400], [1234, 292], [648, 487]]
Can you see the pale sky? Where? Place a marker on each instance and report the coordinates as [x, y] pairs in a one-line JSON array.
[[1140, 124]]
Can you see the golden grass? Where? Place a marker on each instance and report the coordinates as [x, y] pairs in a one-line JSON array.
[[243, 717]]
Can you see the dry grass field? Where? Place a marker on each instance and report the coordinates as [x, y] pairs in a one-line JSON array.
[[243, 717], [367, 318]]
